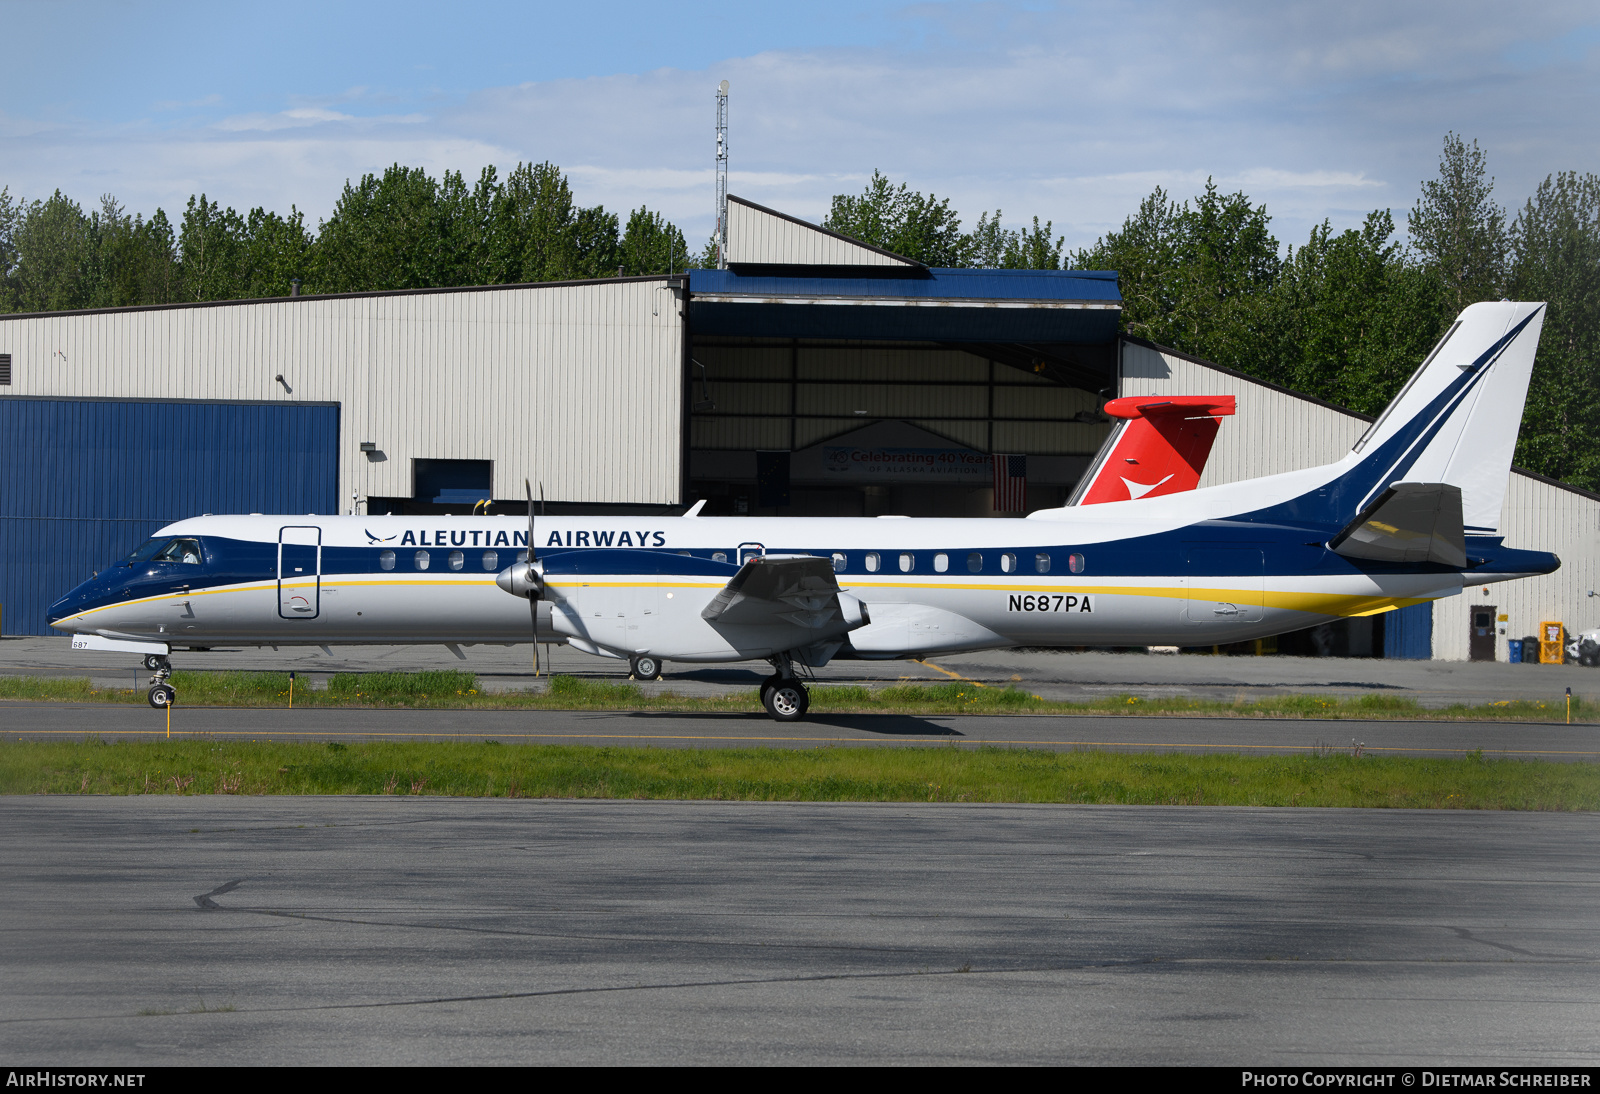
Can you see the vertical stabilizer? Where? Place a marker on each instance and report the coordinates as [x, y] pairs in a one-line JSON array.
[[1159, 448], [1456, 421]]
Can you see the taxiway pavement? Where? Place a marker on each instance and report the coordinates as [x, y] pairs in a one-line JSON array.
[[415, 931]]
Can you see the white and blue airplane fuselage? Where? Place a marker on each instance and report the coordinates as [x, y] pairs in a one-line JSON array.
[[1410, 515]]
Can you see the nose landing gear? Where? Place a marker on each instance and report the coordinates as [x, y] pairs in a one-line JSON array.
[[161, 694]]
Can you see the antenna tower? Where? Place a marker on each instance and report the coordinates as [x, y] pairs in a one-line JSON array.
[[722, 175]]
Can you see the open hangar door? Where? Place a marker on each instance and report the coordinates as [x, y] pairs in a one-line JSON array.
[[851, 395], [88, 480]]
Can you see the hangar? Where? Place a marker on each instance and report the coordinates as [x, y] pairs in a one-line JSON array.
[[814, 376]]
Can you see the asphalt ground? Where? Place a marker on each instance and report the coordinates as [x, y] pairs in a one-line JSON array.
[[416, 931], [1052, 674], [657, 729]]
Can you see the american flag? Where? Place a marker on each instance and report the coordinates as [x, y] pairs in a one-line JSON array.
[[1010, 483]]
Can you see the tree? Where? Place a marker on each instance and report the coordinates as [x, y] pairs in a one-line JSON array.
[[1352, 315], [651, 245], [1458, 230], [55, 249], [274, 250], [916, 225], [211, 251], [384, 234], [1195, 277], [1555, 257], [135, 260], [992, 247]]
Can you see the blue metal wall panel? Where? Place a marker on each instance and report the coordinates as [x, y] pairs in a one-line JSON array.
[[86, 481], [1408, 633]]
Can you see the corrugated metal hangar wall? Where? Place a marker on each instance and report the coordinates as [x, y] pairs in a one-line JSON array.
[[1277, 430], [88, 480]]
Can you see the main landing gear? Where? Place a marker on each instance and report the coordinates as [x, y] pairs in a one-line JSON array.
[[161, 694], [785, 697], [645, 667]]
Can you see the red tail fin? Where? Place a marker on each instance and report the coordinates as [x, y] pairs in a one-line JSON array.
[[1160, 449]]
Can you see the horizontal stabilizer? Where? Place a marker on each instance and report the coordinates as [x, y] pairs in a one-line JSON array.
[[800, 591], [1409, 522]]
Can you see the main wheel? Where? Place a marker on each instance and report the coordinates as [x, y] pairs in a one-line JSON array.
[[152, 661], [162, 695], [786, 701], [646, 667]]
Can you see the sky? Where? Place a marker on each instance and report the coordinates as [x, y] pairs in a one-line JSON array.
[[1071, 112]]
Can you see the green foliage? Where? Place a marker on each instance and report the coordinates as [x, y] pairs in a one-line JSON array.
[[1555, 257], [1459, 233], [1319, 777], [898, 219], [1195, 277], [651, 245], [402, 229], [1351, 317]]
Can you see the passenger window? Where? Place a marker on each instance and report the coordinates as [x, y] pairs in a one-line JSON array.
[[491, 560], [906, 563], [385, 560], [457, 559], [1041, 562], [719, 556], [941, 562], [975, 562], [1008, 563], [421, 559], [839, 562], [1075, 563], [872, 562]]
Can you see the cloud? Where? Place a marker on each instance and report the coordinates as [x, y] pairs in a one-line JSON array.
[[307, 116], [1072, 113]]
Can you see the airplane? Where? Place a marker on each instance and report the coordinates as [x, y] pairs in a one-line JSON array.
[[1409, 515]]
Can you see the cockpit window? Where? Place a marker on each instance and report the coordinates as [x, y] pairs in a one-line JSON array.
[[180, 550], [146, 551], [167, 550]]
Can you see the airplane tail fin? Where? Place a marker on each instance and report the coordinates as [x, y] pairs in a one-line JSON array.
[[1455, 422], [1159, 448]]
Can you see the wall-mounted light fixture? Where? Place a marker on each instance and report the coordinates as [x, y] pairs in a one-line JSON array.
[[369, 446], [285, 383]]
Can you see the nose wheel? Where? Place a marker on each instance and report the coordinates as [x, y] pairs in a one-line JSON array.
[[161, 694]]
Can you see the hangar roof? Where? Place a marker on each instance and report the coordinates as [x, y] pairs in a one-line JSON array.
[[948, 305]]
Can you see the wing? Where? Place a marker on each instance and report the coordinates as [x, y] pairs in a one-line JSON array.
[[799, 591]]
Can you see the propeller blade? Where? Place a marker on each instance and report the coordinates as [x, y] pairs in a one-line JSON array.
[[533, 582]]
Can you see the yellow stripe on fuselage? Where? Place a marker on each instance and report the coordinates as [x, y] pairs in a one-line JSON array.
[[1314, 603]]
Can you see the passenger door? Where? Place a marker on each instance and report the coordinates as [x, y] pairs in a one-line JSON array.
[[299, 572]]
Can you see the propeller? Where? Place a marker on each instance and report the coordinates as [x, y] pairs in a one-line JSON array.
[[523, 579]]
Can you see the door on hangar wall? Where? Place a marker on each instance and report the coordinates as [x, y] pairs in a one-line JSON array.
[[88, 480]]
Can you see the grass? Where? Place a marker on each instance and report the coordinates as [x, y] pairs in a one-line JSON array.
[[1325, 777], [459, 690]]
